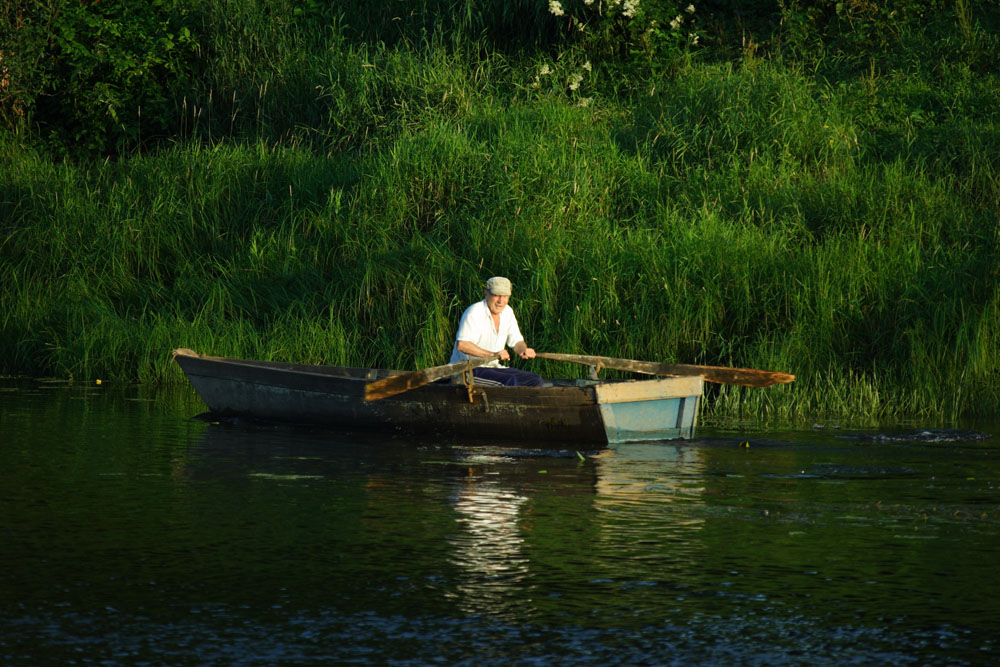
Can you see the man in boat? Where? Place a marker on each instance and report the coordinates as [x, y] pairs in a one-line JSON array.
[[488, 327]]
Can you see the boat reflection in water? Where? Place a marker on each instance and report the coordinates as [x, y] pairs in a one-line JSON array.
[[504, 532], [651, 509], [667, 471], [537, 528]]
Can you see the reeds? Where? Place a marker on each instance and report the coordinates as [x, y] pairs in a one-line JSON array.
[[359, 195]]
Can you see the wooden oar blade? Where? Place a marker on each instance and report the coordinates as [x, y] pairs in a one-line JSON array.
[[747, 377], [397, 384]]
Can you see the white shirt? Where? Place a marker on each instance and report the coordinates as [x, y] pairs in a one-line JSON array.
[[476, 326]]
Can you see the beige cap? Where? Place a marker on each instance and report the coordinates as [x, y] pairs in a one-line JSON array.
[[498, 285]]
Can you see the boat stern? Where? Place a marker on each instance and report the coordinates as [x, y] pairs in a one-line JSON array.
[[661, 409]]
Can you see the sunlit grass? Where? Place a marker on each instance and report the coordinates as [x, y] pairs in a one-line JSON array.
[[749, 216]]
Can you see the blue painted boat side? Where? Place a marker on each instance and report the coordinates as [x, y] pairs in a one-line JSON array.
[[665, 409], [664, 419]]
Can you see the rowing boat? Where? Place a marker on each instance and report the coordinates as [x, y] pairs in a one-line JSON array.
[[565, 411]]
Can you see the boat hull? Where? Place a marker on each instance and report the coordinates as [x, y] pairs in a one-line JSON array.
[[584, 412]]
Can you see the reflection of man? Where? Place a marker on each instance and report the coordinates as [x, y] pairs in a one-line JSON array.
[[489, 548], [487, 327]]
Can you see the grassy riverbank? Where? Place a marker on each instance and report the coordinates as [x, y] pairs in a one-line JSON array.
[[839, 223]]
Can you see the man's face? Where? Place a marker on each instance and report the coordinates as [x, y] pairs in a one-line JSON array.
[[496, 302]]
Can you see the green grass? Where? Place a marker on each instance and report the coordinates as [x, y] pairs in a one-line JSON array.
[[347, 207]]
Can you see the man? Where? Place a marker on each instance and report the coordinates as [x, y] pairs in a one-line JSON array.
[[487, 327]]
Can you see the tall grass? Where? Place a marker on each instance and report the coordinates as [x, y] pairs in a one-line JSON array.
[[743, 213]]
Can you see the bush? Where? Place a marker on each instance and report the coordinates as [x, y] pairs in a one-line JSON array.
[[96, 77]]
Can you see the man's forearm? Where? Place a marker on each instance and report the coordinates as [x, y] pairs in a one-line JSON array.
[[471, 349]]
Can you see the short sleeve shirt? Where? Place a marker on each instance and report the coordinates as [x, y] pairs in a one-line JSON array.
[[476, 326]]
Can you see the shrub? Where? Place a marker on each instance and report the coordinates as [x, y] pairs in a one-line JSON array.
[[94, 77]]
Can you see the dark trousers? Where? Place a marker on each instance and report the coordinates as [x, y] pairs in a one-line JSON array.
[[507, 377]]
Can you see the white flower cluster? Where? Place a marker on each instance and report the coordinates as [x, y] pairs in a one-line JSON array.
[[629, 7], [678, 20], [573, 81]]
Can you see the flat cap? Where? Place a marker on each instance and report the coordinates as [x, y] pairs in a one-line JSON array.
[[498, 285]]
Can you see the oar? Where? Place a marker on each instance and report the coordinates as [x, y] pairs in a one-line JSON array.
[[747, 377], [397, 384]]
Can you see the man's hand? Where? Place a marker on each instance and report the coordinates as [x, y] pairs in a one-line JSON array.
[[524, 351]]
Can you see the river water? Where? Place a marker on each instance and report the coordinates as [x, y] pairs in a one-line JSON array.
[[133, 533]]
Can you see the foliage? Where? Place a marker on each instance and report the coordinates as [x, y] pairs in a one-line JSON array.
[[899, 33], [326, 198], [98, 77], [106, 78], [630, 41]]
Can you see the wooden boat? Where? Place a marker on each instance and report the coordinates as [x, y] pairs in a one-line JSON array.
[[568, 411]]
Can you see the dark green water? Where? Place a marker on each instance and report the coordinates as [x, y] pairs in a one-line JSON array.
[[131, 533]]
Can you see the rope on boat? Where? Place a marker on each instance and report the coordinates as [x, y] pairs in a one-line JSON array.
[[470, 385]]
